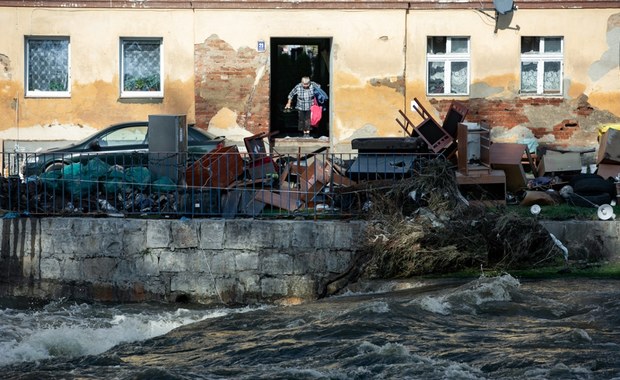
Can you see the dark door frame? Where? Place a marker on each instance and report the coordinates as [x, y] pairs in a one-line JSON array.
[[286, 71]]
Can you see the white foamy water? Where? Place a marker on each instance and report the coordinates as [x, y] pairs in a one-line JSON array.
[[75, 330], [465, 298]]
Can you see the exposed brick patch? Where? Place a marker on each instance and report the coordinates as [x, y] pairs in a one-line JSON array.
[[225, 77], [509, 113]]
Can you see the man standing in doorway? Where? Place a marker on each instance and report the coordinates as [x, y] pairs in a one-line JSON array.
[[305, 94]]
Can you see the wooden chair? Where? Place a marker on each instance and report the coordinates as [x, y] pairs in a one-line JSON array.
[[429, 130]]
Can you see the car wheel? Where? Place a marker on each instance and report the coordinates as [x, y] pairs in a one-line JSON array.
[[55, 166]]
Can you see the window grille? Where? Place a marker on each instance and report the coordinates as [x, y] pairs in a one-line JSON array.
[[47, 67], [141, 68]]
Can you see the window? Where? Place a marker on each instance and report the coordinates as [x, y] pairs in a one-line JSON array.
[[47, 67], [125, 136], [447, 65], [542, 62], [141, 68]]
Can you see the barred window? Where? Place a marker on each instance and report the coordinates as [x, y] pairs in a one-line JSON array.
[[447, 65], [141, 67], [48, 67], [542, 63]]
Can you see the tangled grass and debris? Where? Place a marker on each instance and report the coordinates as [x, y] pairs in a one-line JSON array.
[[423, 225]]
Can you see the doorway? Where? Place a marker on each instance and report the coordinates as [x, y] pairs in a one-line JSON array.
[[291, 59]]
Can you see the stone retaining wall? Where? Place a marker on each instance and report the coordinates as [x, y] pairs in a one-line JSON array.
[[233, 261], [198, 260]]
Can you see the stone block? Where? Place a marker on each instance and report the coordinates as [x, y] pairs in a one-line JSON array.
[[246, 261], [338, 261], [99, 269], [346, 236], [50, 269], [324, 235], [212, 234], [249, 282], [282, 234], [303, 236], [146, 264], [227, 290], [71, 269], [276, 264], [272, 287], [182, 261], [302, 286], [134, 237], [95, 245], [309, 262], [247, 234], [158, 234], [184, 234], [57, 226], [193, 283], [221, 263]]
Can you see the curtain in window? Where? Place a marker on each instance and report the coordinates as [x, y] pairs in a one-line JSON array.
[[529, 75], [551, 77], [436, 74], [458, 78]]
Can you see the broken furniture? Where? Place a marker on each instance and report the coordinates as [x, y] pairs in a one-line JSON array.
[[302, 185], [261, 162], [476, 179], [379, 166], [473, 150], [507, 157], [429, 130], [385, 157], [488, 187], [609, 147], [559, 163], [218, 168], [455, 115]]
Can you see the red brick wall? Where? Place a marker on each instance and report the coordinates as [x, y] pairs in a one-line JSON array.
[[509, 113], [225, 77]]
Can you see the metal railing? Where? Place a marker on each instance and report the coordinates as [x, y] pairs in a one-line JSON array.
[[223, 183]]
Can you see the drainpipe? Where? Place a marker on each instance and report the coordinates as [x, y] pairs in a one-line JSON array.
[[405, 50]]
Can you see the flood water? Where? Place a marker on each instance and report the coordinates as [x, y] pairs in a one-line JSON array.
[[487, 328]]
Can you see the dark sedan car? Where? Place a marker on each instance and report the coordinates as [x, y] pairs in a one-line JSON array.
[[124, 144]]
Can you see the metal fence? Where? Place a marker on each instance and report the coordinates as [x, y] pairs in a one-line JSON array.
[[224, 183]]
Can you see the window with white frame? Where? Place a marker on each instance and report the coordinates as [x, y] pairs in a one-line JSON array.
[[141, 67], [48, 67], [447, 65], [542, 62]]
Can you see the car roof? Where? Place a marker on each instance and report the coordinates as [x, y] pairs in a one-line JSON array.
[[191, 129]]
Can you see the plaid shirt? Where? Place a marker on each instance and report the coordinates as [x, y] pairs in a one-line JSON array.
[[304, 96]]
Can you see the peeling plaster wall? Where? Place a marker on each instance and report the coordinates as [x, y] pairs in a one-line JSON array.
[[367, 62], [214, 74], [591, 72], [94, 48]]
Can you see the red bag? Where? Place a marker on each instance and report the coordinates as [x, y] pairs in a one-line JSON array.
[[316, 111]]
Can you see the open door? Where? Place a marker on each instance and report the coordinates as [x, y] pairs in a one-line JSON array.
[[291, 59]]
